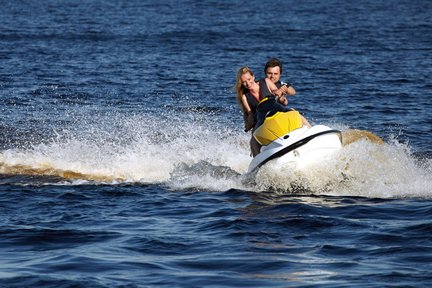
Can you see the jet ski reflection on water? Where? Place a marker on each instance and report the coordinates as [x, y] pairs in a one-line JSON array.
[[284, 137]]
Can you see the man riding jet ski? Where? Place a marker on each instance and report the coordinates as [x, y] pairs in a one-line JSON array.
[[285, 134]]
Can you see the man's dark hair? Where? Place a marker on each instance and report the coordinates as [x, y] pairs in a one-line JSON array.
[[273, 62]]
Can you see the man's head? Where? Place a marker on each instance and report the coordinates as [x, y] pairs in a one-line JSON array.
[[273, 70]]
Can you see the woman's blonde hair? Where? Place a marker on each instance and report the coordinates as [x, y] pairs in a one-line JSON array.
[[239, 87]]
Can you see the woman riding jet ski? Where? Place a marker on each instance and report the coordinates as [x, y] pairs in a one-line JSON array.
[[287, 136]]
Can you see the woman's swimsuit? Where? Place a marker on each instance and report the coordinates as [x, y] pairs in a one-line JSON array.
[[253, 102]]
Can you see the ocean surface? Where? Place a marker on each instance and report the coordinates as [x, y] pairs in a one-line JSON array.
[[123, 156]]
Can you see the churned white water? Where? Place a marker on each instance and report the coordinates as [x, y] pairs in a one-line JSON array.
[[201, 155]]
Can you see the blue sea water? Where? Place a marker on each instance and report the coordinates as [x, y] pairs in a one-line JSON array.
[[123, 158]]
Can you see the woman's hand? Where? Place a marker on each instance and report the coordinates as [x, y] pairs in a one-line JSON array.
[[283, 100]]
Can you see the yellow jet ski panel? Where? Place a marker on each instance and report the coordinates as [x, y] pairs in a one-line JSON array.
[[276, 126]]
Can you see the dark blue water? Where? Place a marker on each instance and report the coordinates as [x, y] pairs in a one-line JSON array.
[[123, 160]]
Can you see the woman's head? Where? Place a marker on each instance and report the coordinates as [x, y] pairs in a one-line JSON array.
[[245, 79]]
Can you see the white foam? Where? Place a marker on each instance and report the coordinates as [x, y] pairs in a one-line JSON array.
[[359, 169], [196, 153]]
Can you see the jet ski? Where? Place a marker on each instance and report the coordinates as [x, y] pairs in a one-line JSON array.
[[285, 139]]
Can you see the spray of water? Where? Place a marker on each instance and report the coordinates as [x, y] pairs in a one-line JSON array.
[[194, 152], [361, 168]]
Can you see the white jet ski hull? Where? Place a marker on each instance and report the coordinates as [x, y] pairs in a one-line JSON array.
[[300, 148]]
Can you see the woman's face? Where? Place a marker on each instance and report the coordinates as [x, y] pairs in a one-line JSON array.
[[247, 80]]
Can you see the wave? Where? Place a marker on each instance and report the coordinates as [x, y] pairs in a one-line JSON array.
[[195, 152], [362, 168], [143, 149]]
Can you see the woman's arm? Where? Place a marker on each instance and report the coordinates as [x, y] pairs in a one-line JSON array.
[[272, 87], [248, 115], [283, 90], [245, 104]]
